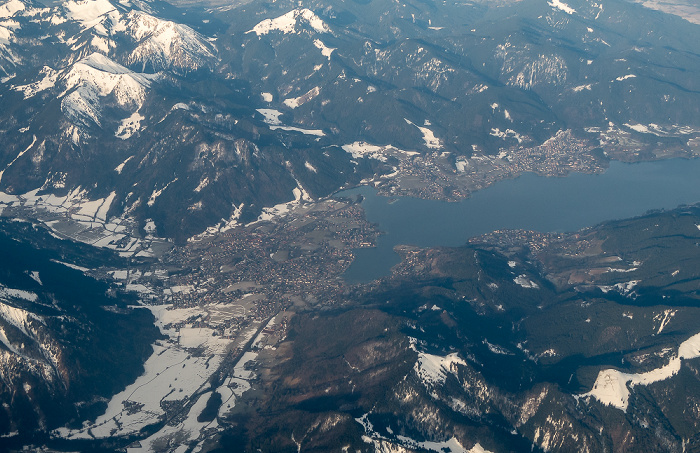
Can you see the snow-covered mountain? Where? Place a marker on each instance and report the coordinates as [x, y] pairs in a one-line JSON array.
[[88, 78], [294, 21], [95, 77], [125, 121], [163, 44]]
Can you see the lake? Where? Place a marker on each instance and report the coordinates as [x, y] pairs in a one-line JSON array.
[[547, 204]]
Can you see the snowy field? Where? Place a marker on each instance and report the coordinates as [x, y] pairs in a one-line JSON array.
[[174, 374], [81, 219]]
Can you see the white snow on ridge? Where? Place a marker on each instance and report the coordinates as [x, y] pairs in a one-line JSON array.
[[325, 51], [625, 77], [89, 13], [293, 103], [72, 266], [310, 167], [156, 193], [98, 70], [101, 44], [120, 167], [5, 38], [433, 369], [9, 9], [287, 23], [35, 276], [562, 6], [612, 387], [164, 44], [18, 156], [16, 316], [316, 132], [496, 349], [159, 43], [97, 76], [664, 318], [662, 131]]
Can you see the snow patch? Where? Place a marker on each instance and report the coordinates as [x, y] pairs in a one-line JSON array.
[[433, 369], [156, 193], [399, 443], [662, 131], [558, 4], [9, 9], [624, 288], [97, 76], [18, 156], [48, 80], [360, 149], [525, 282], [325, 51], [129, 126], [508, 133], [293, 103], [120, 167], [431, 141], [89, 13], [316, 132], [164, 44], [35, 276], [612, 387], [664, 318], [271, 116]]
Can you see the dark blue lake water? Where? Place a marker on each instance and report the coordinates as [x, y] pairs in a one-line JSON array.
[[530, 202]]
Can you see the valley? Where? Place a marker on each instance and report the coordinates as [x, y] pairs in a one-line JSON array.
[[236, 307], [178, 234]]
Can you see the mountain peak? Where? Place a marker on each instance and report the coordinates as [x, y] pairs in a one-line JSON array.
[[290, 23]]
